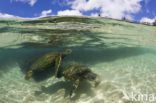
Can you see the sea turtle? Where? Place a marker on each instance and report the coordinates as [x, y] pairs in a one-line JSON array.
[[47, 61], [78, 73]]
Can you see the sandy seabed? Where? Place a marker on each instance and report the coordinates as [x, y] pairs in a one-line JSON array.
[[122, 54], [132, 74]]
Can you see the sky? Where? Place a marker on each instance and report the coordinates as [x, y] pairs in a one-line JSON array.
[[134, 10]]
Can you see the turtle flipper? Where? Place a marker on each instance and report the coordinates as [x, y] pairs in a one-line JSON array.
[[75, 86], [57, 64], [29, 75]]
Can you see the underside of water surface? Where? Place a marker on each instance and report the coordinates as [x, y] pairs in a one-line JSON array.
[[122, 54]]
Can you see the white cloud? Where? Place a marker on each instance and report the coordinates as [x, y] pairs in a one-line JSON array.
[[147, 1], [46, 12], [94, 14], [147, 20], [30, 2], [6, 16], [69, 13], [108, 8]]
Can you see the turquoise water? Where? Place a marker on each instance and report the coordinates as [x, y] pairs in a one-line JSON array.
[[122, 54]]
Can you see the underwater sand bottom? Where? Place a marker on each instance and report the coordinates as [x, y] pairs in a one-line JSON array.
[[133, 74]]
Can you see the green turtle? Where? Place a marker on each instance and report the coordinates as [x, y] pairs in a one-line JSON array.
[[78, 73], [46, 61]]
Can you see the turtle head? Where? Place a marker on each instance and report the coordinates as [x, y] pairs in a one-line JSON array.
[[66, 52], [93, 77]]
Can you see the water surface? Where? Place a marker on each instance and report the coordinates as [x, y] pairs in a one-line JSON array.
[[122, 54]]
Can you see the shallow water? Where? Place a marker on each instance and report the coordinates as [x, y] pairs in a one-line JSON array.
[[122, 54]]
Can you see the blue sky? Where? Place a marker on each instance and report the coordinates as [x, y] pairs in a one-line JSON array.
[[131, 9]]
